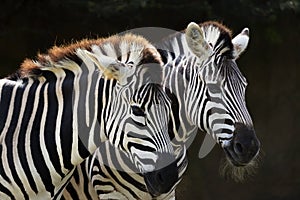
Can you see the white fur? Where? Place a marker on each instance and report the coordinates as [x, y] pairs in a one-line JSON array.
[[240, 42], [196, 41]]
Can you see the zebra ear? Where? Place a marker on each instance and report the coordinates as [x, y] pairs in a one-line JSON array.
[[240, 43], [111, 68], [196, 42]]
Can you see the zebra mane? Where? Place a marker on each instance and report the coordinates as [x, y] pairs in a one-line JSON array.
[[63, 53], [219, 37]]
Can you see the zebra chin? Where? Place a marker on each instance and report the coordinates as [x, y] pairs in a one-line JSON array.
[[163, 179], [241, 153]]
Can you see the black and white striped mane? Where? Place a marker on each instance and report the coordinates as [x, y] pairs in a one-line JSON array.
[[219, 37], [60, 54]]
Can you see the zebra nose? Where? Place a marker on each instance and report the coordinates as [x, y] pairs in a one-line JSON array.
[[245, 143], [164, 178]]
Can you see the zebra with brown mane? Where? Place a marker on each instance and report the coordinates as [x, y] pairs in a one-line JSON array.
[[55, 111]]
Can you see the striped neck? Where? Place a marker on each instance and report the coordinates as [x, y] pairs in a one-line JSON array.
[[177, 73]]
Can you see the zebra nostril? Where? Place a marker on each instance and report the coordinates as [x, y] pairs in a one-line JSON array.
[[160, 178], [238, 148]]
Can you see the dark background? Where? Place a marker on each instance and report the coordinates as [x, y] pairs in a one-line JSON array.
[[271, 65]]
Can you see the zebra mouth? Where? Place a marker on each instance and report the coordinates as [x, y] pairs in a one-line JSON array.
[[161, 181], [244, 147], [233, 157], [152, 190]]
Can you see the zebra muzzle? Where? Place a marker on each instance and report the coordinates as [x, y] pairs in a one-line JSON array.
[[163, 179], [244, 147]]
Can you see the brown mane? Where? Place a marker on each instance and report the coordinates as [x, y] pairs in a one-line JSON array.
[[60, 53], [222, 27], [55, 54]]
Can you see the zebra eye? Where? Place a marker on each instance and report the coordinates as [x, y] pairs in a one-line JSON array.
[[137, 111], [138, 115]]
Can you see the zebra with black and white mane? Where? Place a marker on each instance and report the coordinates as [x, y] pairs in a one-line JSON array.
[[55, 111], [201, 75], [207, 90]]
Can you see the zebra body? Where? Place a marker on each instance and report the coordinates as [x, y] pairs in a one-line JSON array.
[[55, 111], [207, 90]]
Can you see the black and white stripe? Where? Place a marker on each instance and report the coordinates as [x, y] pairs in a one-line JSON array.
[[207, 93], [110, 174], [55, 113]]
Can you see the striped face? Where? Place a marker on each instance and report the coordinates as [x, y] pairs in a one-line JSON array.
[[142, 109], [148, 141], [224, 104], [222, 110]]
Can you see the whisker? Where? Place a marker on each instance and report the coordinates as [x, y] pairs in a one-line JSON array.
[[239, 173]]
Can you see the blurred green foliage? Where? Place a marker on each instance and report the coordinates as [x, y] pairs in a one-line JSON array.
[[132, 10]]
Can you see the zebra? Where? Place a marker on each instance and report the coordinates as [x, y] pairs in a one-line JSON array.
[[56, 110], [207, 89]]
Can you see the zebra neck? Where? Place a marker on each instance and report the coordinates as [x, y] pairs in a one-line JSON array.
[[178, 61], [177, 74], [175, 87], [173, 47]]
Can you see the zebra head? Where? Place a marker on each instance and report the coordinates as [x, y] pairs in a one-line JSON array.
[[142, 131], [222, 110], [148, 141]]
